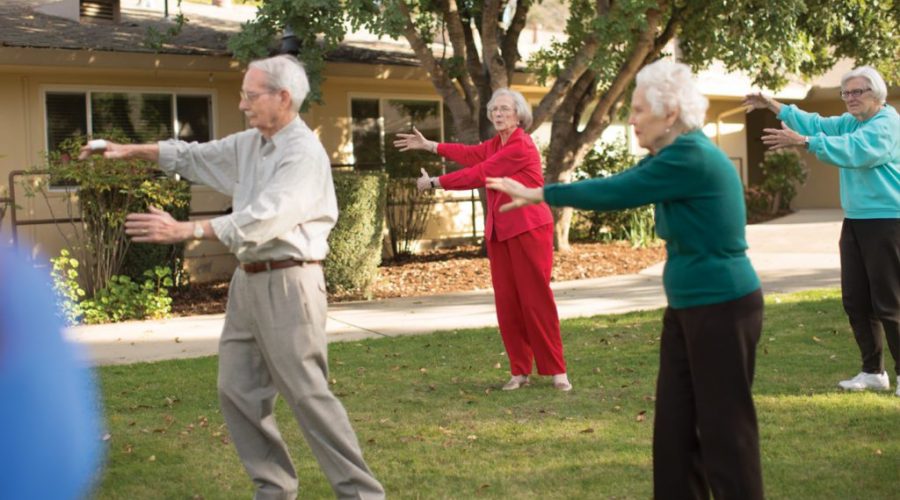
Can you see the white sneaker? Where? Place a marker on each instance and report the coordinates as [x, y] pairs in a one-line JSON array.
[[864, 381]]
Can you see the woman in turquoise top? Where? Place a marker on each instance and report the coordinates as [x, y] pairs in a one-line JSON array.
[[864, 143], [705, 433]]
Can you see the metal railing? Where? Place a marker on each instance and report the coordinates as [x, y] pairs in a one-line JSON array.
[[8, 203]]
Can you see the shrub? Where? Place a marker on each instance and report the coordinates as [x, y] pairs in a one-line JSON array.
[[407, 214], [783, 172], [355, 242], [121, 299], [173, 196], [758, 203], [106, 191], [635, 225], [407, 209]]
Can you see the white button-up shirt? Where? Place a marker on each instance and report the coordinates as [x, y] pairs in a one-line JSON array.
[[283, 201]]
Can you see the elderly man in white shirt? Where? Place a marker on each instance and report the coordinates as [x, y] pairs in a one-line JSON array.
[[273, 341]]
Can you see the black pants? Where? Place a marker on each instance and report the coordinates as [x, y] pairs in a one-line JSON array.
[[870, 286], [705, 436]]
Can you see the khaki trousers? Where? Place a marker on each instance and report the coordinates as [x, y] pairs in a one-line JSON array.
[[274, 342]]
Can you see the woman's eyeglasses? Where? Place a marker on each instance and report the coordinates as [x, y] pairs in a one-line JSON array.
[[847, 94], [502, 109]]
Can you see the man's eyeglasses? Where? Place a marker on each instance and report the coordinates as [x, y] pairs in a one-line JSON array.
[[252, 96], [847, 94]]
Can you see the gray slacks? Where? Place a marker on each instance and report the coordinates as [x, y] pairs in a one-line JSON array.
[[274, 342]]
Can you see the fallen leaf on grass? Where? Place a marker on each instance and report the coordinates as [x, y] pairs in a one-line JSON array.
[[640, 415], [589, 430]]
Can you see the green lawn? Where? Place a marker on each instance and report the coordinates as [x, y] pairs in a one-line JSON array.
[[434, 424]]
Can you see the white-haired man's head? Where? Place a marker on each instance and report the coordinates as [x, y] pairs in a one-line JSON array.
[[285, 72]]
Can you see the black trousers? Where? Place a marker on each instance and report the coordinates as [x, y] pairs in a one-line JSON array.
[[870, 286], [705, 435]]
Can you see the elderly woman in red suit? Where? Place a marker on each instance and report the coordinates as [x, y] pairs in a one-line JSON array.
[[519, 243]]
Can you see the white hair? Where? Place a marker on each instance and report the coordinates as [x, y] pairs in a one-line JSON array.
[[285, 72], [876, 82], [523, 110], [670, 86]]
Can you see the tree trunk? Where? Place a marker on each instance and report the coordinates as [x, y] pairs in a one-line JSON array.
[[561, 161]]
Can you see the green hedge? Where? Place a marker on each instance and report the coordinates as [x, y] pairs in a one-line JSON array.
[[355, 242]]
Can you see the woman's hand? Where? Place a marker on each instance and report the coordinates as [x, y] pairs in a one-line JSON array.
[[424, 182], [784, 137], [521, 195], [415, 140], [760, 101]]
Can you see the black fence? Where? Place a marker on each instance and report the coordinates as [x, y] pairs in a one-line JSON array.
[[8, 202]]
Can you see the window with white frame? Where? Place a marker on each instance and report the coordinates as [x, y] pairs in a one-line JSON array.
[[139, 116], [376, 121]]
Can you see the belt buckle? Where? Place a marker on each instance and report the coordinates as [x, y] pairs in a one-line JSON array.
[[268, 265]]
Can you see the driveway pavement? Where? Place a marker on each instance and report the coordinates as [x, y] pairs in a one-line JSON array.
[[793, 253]]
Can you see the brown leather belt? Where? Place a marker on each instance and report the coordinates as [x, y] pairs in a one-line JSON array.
[[270, 265]]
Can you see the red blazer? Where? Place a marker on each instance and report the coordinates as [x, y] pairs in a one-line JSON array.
[[519, 159]]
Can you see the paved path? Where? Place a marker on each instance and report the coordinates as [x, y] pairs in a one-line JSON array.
[[793, 253]]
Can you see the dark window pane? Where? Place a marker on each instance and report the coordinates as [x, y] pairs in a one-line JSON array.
[[194, 115], [366, 127], [66, 117], [139, 117], [402, 116]]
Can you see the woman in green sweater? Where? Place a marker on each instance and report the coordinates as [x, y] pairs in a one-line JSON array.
[[705, 435]]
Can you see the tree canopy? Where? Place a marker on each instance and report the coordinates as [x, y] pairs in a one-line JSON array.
[[590, 74]]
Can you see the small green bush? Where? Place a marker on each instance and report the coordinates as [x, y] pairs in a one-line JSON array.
[[784, 171], [355, 242], [65, 283], [122, 298], [107, 190], [635, 225]]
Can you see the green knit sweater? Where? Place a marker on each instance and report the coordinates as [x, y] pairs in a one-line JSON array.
[[699, 212]]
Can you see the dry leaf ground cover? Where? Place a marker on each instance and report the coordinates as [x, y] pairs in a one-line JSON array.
[[433, 423], [450, 270]]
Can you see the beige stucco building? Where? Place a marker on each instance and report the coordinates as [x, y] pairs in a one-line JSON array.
[[61, 73]]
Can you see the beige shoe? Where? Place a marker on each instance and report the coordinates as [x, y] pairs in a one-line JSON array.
[[516, 382], [561, 383]]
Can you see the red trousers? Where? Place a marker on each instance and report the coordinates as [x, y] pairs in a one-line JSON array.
[[526, 311]]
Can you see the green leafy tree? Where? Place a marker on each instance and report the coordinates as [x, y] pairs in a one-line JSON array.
[[590, 75]]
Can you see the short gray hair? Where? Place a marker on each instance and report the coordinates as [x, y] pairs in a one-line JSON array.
[[670, 86], [285, 72], [523, 110], [879, 89]]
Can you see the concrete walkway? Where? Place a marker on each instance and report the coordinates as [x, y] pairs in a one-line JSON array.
[[793, 253]]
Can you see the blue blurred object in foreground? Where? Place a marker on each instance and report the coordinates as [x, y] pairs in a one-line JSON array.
[[50, 430]]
